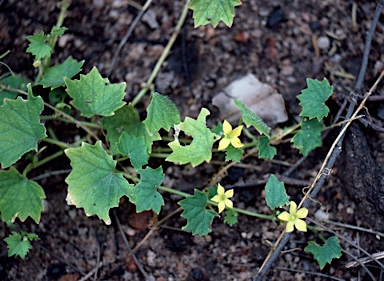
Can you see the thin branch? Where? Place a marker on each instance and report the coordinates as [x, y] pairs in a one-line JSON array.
[[127, 35], [327, 277], [354, 227], [139, 266]]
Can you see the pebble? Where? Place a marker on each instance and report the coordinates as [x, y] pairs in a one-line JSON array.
[[151, 258], [150, 18], [321, 215], [323, 43]]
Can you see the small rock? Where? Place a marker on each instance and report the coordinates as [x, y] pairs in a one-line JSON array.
[[321, 215], [287, 70], [323, 43], [99, 4], [275, 17], [150, 18], [314, 25], [151, 258]]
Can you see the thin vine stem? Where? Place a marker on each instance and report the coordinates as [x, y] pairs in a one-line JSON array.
[[34, 165]]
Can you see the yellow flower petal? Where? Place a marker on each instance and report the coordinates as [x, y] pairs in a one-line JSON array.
[[229, 203], [216, 198], [302, 213], [229, 193], [292, 207], [227, 128], [289, 226], [236, 142], [221, 206], [220, 189], [236, 132], [284, 216], [301, 225], [223, 144]]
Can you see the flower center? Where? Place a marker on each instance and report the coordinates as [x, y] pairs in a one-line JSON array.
[[293, 217]]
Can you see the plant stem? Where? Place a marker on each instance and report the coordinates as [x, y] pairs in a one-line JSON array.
[[245, 212], [34, 165], [252, 214], [174, 191], [60, 144], [159, 155], [164, 55], [52, 117], [47, 60]]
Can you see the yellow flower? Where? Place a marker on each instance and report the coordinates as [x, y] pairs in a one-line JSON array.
[[222, 198], [230, 136], [294, 218]]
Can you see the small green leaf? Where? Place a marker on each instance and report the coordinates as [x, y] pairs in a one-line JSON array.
[[19, 197], [276, 195], [39, 46], [93, 94], [127, 120], [309, 136], [58, 31], [19, 243], [324, 254], [231, 217], [135, 148], [199, 219], [200, 149], [251, 119], [314, 97], [20, 127], [161, 113], [12, 82], [93, 183], [54, 76], [145, 194], [265, 150], [213, 11], [233, 154], [217, 129]]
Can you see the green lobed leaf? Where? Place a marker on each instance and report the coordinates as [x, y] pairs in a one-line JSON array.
[[13, 82], [54, 76], [324, 254], [39, 46], [276, 196], [20, 127], [199, 219], [309, 136], [19, 197], [19, 243], [251, 119], [135, 148], [265, 150], [58, 30], [127, 120], [213, 11], [231, 217], [145, 194], [93, 183], [93, 94], [233, 154], [161, 113], [314, 97], [200, 149]]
